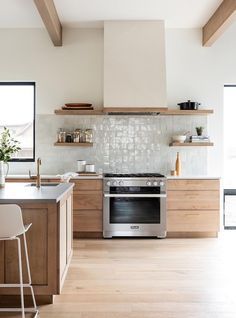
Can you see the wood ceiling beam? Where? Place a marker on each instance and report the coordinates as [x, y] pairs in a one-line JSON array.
[[219, 22], [48, 13]]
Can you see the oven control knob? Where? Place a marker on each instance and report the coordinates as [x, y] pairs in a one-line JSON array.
[[155, 183], [108, 183], [114, 183], [121, 183], [148, 183], [161, 183]]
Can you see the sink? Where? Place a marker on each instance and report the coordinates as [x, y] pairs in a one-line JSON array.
[[43, 184]]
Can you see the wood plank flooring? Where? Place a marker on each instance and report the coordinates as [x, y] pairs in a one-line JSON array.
[[137, 278]]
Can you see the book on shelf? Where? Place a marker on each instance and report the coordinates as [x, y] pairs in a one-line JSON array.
[[199, 138]]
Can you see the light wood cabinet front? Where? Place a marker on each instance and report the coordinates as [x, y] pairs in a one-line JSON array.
[[193, 206], [88, 205]]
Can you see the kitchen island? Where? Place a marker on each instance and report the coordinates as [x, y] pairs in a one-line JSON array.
[[49, 239]]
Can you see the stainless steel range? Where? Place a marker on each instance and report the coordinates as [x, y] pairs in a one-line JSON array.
[[134, 205]]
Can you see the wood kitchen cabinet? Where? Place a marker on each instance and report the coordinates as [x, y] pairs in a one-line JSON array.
[[193, 207], [87, 202]]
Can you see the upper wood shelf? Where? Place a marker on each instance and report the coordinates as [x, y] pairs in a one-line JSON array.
[[161, 111], [191, 144], [78, 112], [178, 112], [73, 144]]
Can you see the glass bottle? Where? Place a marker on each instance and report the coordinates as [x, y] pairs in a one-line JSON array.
[[178, 165]]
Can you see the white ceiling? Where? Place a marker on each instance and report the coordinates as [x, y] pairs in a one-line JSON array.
[[77, 13]]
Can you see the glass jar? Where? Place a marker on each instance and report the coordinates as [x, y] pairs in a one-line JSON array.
[[77, 135], [82, 136], [89, 135], [61, 135]]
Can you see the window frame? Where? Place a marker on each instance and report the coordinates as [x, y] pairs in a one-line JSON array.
[[34, 113]]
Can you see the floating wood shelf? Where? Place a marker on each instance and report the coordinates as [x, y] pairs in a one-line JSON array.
[[78, 112], [135, 110], [178, 112], [191, 144], [73, 144]]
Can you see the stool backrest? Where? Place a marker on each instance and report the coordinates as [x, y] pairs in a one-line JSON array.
[[11, 221]]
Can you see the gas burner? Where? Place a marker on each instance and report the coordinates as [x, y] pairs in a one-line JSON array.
[[133, 175]]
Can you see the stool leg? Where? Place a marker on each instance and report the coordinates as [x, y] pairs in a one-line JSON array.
[[21, 278], [28, 270]]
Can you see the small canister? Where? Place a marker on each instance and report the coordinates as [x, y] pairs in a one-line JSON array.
[[81, 165], [90, 168]]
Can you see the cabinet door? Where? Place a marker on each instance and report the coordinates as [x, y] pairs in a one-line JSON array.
[[1, 262], [88, 200], [192, 221], [87, 185], [88, 221], [190, 184], [193, 200]]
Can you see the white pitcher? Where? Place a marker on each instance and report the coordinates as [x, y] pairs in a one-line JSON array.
[[2, 173]]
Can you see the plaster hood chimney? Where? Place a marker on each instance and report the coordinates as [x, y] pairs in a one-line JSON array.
[[134, 67]]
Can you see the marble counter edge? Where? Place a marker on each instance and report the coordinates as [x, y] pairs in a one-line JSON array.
[[54, 195]]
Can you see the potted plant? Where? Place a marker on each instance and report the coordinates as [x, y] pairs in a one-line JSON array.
[[8, 146], [199, 130]]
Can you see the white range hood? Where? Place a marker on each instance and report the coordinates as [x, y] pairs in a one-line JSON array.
[[134, 66]]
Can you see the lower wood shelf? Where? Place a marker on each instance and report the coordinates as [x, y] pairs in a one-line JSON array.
[[74, 144], [191, 144]]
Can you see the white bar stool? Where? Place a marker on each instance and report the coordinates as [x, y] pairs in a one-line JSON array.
[[11, 227]]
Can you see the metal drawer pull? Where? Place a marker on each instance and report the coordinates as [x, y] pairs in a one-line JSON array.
[[134, 195]]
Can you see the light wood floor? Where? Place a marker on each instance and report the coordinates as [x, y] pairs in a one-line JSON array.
[[169, 278]]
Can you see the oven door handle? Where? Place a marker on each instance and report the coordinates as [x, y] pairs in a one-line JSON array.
[[108, 195]]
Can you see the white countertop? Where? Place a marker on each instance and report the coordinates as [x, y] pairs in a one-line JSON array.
[[23, 192], [193, 177], [51, 176], [54, 176]]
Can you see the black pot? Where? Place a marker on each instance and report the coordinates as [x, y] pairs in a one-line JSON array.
[[189, 105]]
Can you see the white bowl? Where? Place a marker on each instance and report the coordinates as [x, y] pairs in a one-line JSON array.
[[179, 138]]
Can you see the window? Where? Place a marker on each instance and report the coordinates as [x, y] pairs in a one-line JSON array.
[[229, 157], [17, 112]]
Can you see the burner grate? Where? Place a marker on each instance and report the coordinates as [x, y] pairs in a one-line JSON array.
[[133, 175]]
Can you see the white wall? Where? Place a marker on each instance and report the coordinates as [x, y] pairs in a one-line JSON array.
[[199, 73], [75, 72]]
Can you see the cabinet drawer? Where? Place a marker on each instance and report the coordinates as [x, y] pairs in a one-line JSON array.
[[87, 185], [87, 200], [193, 200], [193, 184], [87, 221], [192, 221]]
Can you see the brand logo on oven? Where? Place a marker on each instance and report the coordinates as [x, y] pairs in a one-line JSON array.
[[134, 227]]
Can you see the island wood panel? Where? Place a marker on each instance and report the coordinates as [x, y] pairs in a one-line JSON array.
[[88, 200], [63, 236], [189, 221], [43, 252], [193, 200], [69, 223], [1, 262], [190, 184], [37, 249], [88, 221]]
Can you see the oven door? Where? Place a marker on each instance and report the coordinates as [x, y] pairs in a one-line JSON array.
[[134, 211]]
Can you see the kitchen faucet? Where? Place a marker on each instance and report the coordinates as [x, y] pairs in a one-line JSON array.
[[37, 177]]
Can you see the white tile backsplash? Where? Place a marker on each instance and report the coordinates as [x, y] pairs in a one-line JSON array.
[[121, 144]]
